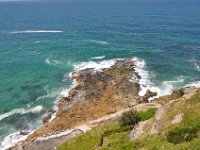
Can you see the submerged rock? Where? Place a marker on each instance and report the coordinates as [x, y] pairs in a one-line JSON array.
[[138, 130], [24, 132]]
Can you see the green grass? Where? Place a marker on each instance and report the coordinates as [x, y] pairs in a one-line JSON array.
[[179, 135], [114, 136], [120, 140], [146, 115], [90, 140]]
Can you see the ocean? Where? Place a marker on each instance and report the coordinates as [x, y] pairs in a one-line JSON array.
[[41, 42]]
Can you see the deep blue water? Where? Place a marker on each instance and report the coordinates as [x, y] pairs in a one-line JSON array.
[[34, 66]]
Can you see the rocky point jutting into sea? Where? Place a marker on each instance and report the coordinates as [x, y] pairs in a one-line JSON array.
[[97, 95]]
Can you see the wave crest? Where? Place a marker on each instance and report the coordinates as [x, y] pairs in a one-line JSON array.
[[21, 111], [98, 57], [195, 84], [164, 88], [99, 42], [97, 66], [12, 139], [36, 31], [52, 62]]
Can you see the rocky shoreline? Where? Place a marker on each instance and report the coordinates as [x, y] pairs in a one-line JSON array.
[[98, 94]]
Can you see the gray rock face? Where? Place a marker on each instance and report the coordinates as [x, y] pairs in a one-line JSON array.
[[138, 130]]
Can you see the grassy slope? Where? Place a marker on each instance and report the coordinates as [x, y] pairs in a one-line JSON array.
[[120, 141]]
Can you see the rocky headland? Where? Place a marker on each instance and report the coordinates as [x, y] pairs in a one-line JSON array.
[[99, 97]]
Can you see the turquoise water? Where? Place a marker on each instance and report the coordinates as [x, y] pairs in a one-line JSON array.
[[41, 42]]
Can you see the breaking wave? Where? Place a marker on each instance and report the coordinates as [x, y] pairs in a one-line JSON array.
[[97, 66], [36, 31], [164, 88], [98, 58], [195, 84], [21, 111], [12, 139]]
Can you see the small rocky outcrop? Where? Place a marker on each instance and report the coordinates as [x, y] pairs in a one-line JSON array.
[[138, 130], [178, 118], [145, 98], [48, 116]]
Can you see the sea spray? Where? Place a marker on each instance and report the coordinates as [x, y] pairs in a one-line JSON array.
[[164, 88]]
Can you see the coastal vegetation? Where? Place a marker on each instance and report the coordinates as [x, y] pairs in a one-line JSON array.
[[114, 135], [171, 136], [104, 111], [129, 118], [132, 117]]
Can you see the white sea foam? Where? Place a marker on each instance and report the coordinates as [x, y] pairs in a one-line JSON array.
[[144, 81], [65, 93], [21, 111], [16, 137], [99, 42], [195, 84], [98, 57], [57, 94], [50, 94], [194, 63], [52, 62], [36, 31], [37, 42], [97, 66], [197, 66], [165, 88], [11, 140]]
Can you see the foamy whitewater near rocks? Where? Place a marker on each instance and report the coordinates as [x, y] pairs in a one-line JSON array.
[[146, 84], [97, 72], [14, 138], [144, 81], [39, 48], [194, 84]]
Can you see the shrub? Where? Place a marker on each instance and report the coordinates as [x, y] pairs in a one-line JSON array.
[[146, 115], [129, 118], [179, 135]]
